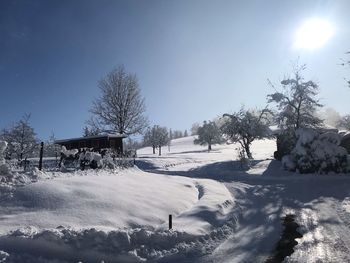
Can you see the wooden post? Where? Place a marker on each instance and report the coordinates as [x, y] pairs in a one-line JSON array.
[[170, 222], [25, 164], [41, 156]]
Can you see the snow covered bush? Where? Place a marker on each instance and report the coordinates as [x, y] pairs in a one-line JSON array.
[[68, 153], [316, 152], [91, 159], [4, 168]]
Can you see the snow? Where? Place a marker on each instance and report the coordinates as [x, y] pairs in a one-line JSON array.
[[106, 202], [220, 212]]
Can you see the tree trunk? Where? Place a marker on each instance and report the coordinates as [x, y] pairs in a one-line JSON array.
[[247, 150], [209, 147], [41, 156], [160, 150], [154, 149]]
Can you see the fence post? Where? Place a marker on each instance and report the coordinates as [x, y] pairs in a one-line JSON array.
[[170, 222], [25, 164], [41, 155]]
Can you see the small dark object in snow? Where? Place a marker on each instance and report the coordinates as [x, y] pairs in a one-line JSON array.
[[170, 222], [287, 242]]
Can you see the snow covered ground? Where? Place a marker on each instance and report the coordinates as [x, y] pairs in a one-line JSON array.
[[220, 213]]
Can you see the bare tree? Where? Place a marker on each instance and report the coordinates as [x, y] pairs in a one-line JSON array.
[[297, 102], [21, 139], [120, 107], [208, 134], [245, 126]]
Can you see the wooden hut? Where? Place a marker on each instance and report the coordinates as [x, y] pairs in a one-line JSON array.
[[97, 143]]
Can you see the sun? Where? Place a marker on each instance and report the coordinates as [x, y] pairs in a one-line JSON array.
[[313, 34]]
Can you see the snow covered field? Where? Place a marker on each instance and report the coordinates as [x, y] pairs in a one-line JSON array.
[[220, 213]]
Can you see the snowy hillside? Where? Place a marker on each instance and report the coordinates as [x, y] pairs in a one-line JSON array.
[[184, 154]]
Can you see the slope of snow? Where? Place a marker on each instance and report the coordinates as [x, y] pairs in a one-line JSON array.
[[130, 199], [185, 155]]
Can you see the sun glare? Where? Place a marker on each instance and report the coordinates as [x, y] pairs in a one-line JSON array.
[[313, 34]]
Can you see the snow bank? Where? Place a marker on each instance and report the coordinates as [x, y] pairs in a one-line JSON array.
[[213, 209], [92, 245], [130, 199], [117, 218], [315, 152]]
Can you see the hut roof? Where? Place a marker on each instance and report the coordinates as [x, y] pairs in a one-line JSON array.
[[102, 136]]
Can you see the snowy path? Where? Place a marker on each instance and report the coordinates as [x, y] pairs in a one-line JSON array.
[[264, 196]]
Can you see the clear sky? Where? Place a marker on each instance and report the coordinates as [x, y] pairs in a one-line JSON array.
[[195, 60]]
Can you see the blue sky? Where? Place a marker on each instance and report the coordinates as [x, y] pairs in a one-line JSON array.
[[195, 60]]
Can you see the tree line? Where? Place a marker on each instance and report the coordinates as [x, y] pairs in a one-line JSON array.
[[292, 105], [120, 108]]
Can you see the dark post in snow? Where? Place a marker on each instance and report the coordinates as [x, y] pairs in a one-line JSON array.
[[41, 156], [25, 164], [170, 222]]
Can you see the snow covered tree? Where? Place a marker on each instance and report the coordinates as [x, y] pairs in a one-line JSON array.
[[194, 128], [344, 122], [171, 134], [297, 102], [177, 134], [330, 117], [208, 134], [156, 137], [245, 126], [91, 129], [120, 107], [50, 148], [149, 139], [21, 139], [162, 137], [297, 106], [170, 138]]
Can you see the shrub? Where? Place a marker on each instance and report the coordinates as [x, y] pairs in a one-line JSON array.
[[316, 153]]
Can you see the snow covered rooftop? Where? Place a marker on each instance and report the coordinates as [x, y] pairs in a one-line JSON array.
[[108, 136]]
